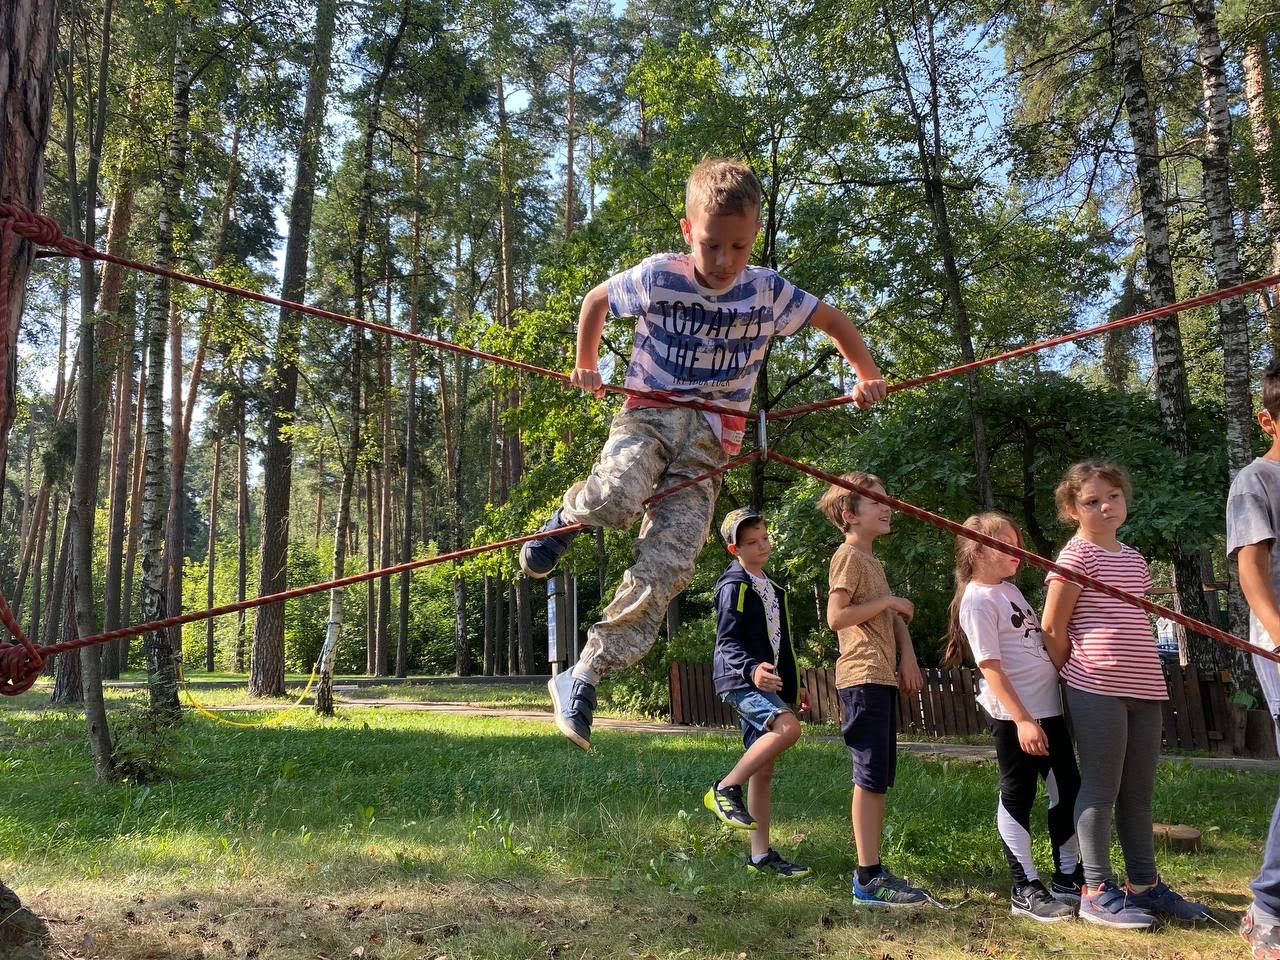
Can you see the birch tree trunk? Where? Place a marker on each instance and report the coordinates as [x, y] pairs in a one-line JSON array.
[[1232, 316], [211, 552], [266, 672], [1262, 124], [1171, 383]]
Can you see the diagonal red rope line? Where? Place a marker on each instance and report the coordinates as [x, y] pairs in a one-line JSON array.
[[45, 231], [20, 665], [1226, 293], [1027, 556]]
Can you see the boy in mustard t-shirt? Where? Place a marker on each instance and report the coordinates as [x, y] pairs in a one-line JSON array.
[[876, 658]]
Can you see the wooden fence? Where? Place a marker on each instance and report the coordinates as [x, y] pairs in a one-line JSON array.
[[1197, 715]]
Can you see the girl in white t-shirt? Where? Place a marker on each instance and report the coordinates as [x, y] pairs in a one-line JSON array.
[[1019, 694]]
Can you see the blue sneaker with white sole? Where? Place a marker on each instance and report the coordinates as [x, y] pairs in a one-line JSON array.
[[539, 556], [574, 703]]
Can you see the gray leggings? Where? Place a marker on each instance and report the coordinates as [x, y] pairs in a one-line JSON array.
[[1118, 739]]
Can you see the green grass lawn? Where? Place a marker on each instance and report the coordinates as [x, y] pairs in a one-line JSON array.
[[407, 835]]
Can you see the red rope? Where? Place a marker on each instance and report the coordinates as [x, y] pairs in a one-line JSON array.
[[1035, 560], [20, 666], [1226, 293], [45, 231]]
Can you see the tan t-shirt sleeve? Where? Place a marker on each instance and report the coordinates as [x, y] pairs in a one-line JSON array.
[[846, 573]]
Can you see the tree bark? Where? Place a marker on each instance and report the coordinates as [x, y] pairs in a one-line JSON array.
[[266, 674], [211, 553], [1232, 316], [242, 520], [1171, 382], [1256, 66]]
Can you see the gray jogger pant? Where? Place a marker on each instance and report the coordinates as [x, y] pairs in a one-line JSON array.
[[1118, 739], [649, 450]]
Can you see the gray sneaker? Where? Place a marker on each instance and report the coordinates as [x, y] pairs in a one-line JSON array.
[[1035, 901], [538, 557], [574, 702], [1108, 906], [1162, 900], [886, 890]]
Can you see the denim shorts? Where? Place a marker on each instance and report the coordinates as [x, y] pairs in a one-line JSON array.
[[869, 722], [756, 711]]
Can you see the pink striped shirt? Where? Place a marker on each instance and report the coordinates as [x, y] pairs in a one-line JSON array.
[[1113, 651]]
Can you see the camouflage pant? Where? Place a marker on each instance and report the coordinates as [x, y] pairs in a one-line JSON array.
[[648, 451]]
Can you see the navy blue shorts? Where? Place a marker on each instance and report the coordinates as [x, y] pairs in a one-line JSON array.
[[756, 711], [869, 722]]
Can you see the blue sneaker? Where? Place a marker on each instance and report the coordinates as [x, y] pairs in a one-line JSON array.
[[538, 557], [886, 890], [1108, 906], [1161, 899], [574, 702]]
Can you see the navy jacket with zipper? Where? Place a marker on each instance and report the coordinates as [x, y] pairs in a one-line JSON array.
[[742, 636]]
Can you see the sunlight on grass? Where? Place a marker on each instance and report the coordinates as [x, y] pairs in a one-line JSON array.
[[417, 834]]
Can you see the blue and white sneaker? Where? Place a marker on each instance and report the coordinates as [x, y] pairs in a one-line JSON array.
[[886, 890], [1109, 906], [574, 703], [538, 557], [1169, 903]]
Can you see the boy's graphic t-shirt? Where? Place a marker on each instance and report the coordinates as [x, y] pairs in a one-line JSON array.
[[868, 650], [772, 610], [1000, 625], [704, 345], [1253, 516], [1113, 649]]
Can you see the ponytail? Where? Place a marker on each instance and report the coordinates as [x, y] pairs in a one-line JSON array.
[[991, 524]]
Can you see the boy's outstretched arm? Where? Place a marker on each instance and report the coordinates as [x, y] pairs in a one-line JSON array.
[[591, 318], [1255, 582], [837, 325]]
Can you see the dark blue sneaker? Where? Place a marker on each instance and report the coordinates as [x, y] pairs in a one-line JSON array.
[[1166, 902], [574, 702], [887, 890], [1109, 906], [538, 557]]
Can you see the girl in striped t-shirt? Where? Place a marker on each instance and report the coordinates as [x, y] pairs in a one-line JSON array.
[[1107, 655]]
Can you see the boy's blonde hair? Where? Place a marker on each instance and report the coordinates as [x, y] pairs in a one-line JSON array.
[[839, 500], [1078, 474], [718, 187]]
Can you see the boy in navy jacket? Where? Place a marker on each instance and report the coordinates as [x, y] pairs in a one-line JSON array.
[[755, 672]]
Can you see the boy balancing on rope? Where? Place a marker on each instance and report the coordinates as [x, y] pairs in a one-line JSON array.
[[755, 671], [1253, 529], [703, 325], [876, 658]]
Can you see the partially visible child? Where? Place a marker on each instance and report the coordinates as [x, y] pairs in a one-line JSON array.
[[755, 672], [1253, 527], [1019, 694], [876, 659], [1115, 685]]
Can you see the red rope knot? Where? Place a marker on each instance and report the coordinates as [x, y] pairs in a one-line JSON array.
[[43, 230], [18, 671], [20, 662]]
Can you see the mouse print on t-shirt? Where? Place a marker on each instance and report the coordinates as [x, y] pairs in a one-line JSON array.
[[1024, 619]]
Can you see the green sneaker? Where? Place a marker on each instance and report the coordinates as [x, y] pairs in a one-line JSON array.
[[726, 803]]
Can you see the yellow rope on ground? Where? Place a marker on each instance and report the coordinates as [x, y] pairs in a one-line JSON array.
[[269, 721]]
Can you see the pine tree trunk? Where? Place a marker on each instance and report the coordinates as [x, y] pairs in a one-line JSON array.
[[135, 501], [384, 505], [333, 632], [410, 432], [1171, 383], [1262, 124], [266, 674], [212, 552], [242, 521]]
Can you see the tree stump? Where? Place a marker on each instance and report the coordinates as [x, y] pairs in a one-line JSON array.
[[1178, 836]]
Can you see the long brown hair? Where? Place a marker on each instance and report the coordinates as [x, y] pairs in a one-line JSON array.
[[992, 524]]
